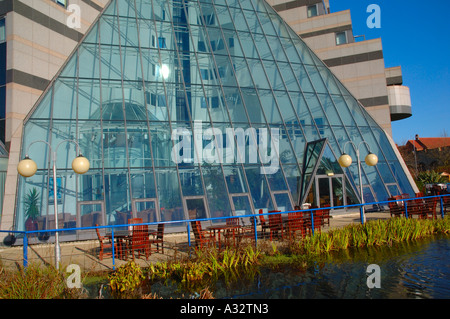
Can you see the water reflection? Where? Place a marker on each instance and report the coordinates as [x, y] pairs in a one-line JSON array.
[[419, 269]]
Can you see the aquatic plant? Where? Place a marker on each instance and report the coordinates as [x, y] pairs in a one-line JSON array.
[[35, 282], [372, 233], [229, 264], [126, 279]]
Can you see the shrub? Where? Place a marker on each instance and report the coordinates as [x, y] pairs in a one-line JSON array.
[[35, 282], [126, 279]]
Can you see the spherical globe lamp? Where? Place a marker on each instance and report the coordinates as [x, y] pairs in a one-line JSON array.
[[371, 159], [345, 160], [27, 167], [80, 164]]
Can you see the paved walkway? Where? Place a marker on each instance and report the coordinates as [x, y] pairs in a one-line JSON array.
[[85, 253]]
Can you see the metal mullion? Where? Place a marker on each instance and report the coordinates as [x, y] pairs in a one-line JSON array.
[[206, 100], [300, 59], [167, 106], [101, 122], [225, 104], [189, 114], [271, 90], [129, 188], [262, 109], [309, 110], [147, 121], [243, 101], [345, 129]]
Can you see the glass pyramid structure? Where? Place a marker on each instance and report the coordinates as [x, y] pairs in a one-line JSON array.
[[190, 109]]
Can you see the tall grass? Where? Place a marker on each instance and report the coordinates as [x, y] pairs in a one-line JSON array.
[[372, 233], [191, 274], [35, 282]]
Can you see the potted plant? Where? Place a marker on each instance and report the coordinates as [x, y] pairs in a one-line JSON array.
[[31, 205]]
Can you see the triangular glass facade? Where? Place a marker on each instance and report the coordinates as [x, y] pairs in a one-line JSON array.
[[193, 109]]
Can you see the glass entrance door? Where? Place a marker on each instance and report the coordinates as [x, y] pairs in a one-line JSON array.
[[196, 207], [330, 190], [146, 209]]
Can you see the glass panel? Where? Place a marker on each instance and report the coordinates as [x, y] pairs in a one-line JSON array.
[[235, 179], [311, 156], [89, 99], [117, 197], [65, 99], [324, 192], [114, 144], [337, 191], [258, 188], [143, 184], [293, 178], [242, 206], [43, 112], [146, 210], [219, 204], [91, 186], [191, 181], [90, 139], [283, 202], [196, 208], [169, 194], [91, 215], [160, 133]]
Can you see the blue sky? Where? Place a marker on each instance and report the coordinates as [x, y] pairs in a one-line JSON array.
[[417, 38]]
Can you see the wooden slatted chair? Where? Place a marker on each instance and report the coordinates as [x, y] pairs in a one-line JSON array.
[[202, 237], [264, 224], [394, 208], [295, 225], [105, 244], [139, 241], [158, 238], [275, 224]]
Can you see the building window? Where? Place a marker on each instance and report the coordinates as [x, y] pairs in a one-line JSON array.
[[2, 30], [61, 3], [341, 38], [162, 42], [312, 11]]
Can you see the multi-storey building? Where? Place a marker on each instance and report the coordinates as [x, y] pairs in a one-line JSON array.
[[133, 78], [357, 62]]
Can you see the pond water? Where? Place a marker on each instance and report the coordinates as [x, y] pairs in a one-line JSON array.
[[419, 269], [410, 270]]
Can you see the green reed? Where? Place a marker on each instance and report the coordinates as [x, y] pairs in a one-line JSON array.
[[208, 265], [372, 233]]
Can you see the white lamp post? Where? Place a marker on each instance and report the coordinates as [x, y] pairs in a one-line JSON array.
[[27, 168], [345, 161]]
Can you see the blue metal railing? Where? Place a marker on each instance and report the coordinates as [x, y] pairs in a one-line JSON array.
[[252, 217]]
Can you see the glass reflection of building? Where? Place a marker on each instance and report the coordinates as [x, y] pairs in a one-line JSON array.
[[149, 68]]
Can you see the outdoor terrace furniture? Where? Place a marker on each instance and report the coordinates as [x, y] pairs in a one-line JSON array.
[[106, 244], [139, 242], [395, 209], [263, 222], [135, 221], [275, 224], [158, 238], [323, 216], [417, 208], [229, 233], [232, 233], [296, 225], [248, 231], [430, 207], [446, 203], [202, 237]]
